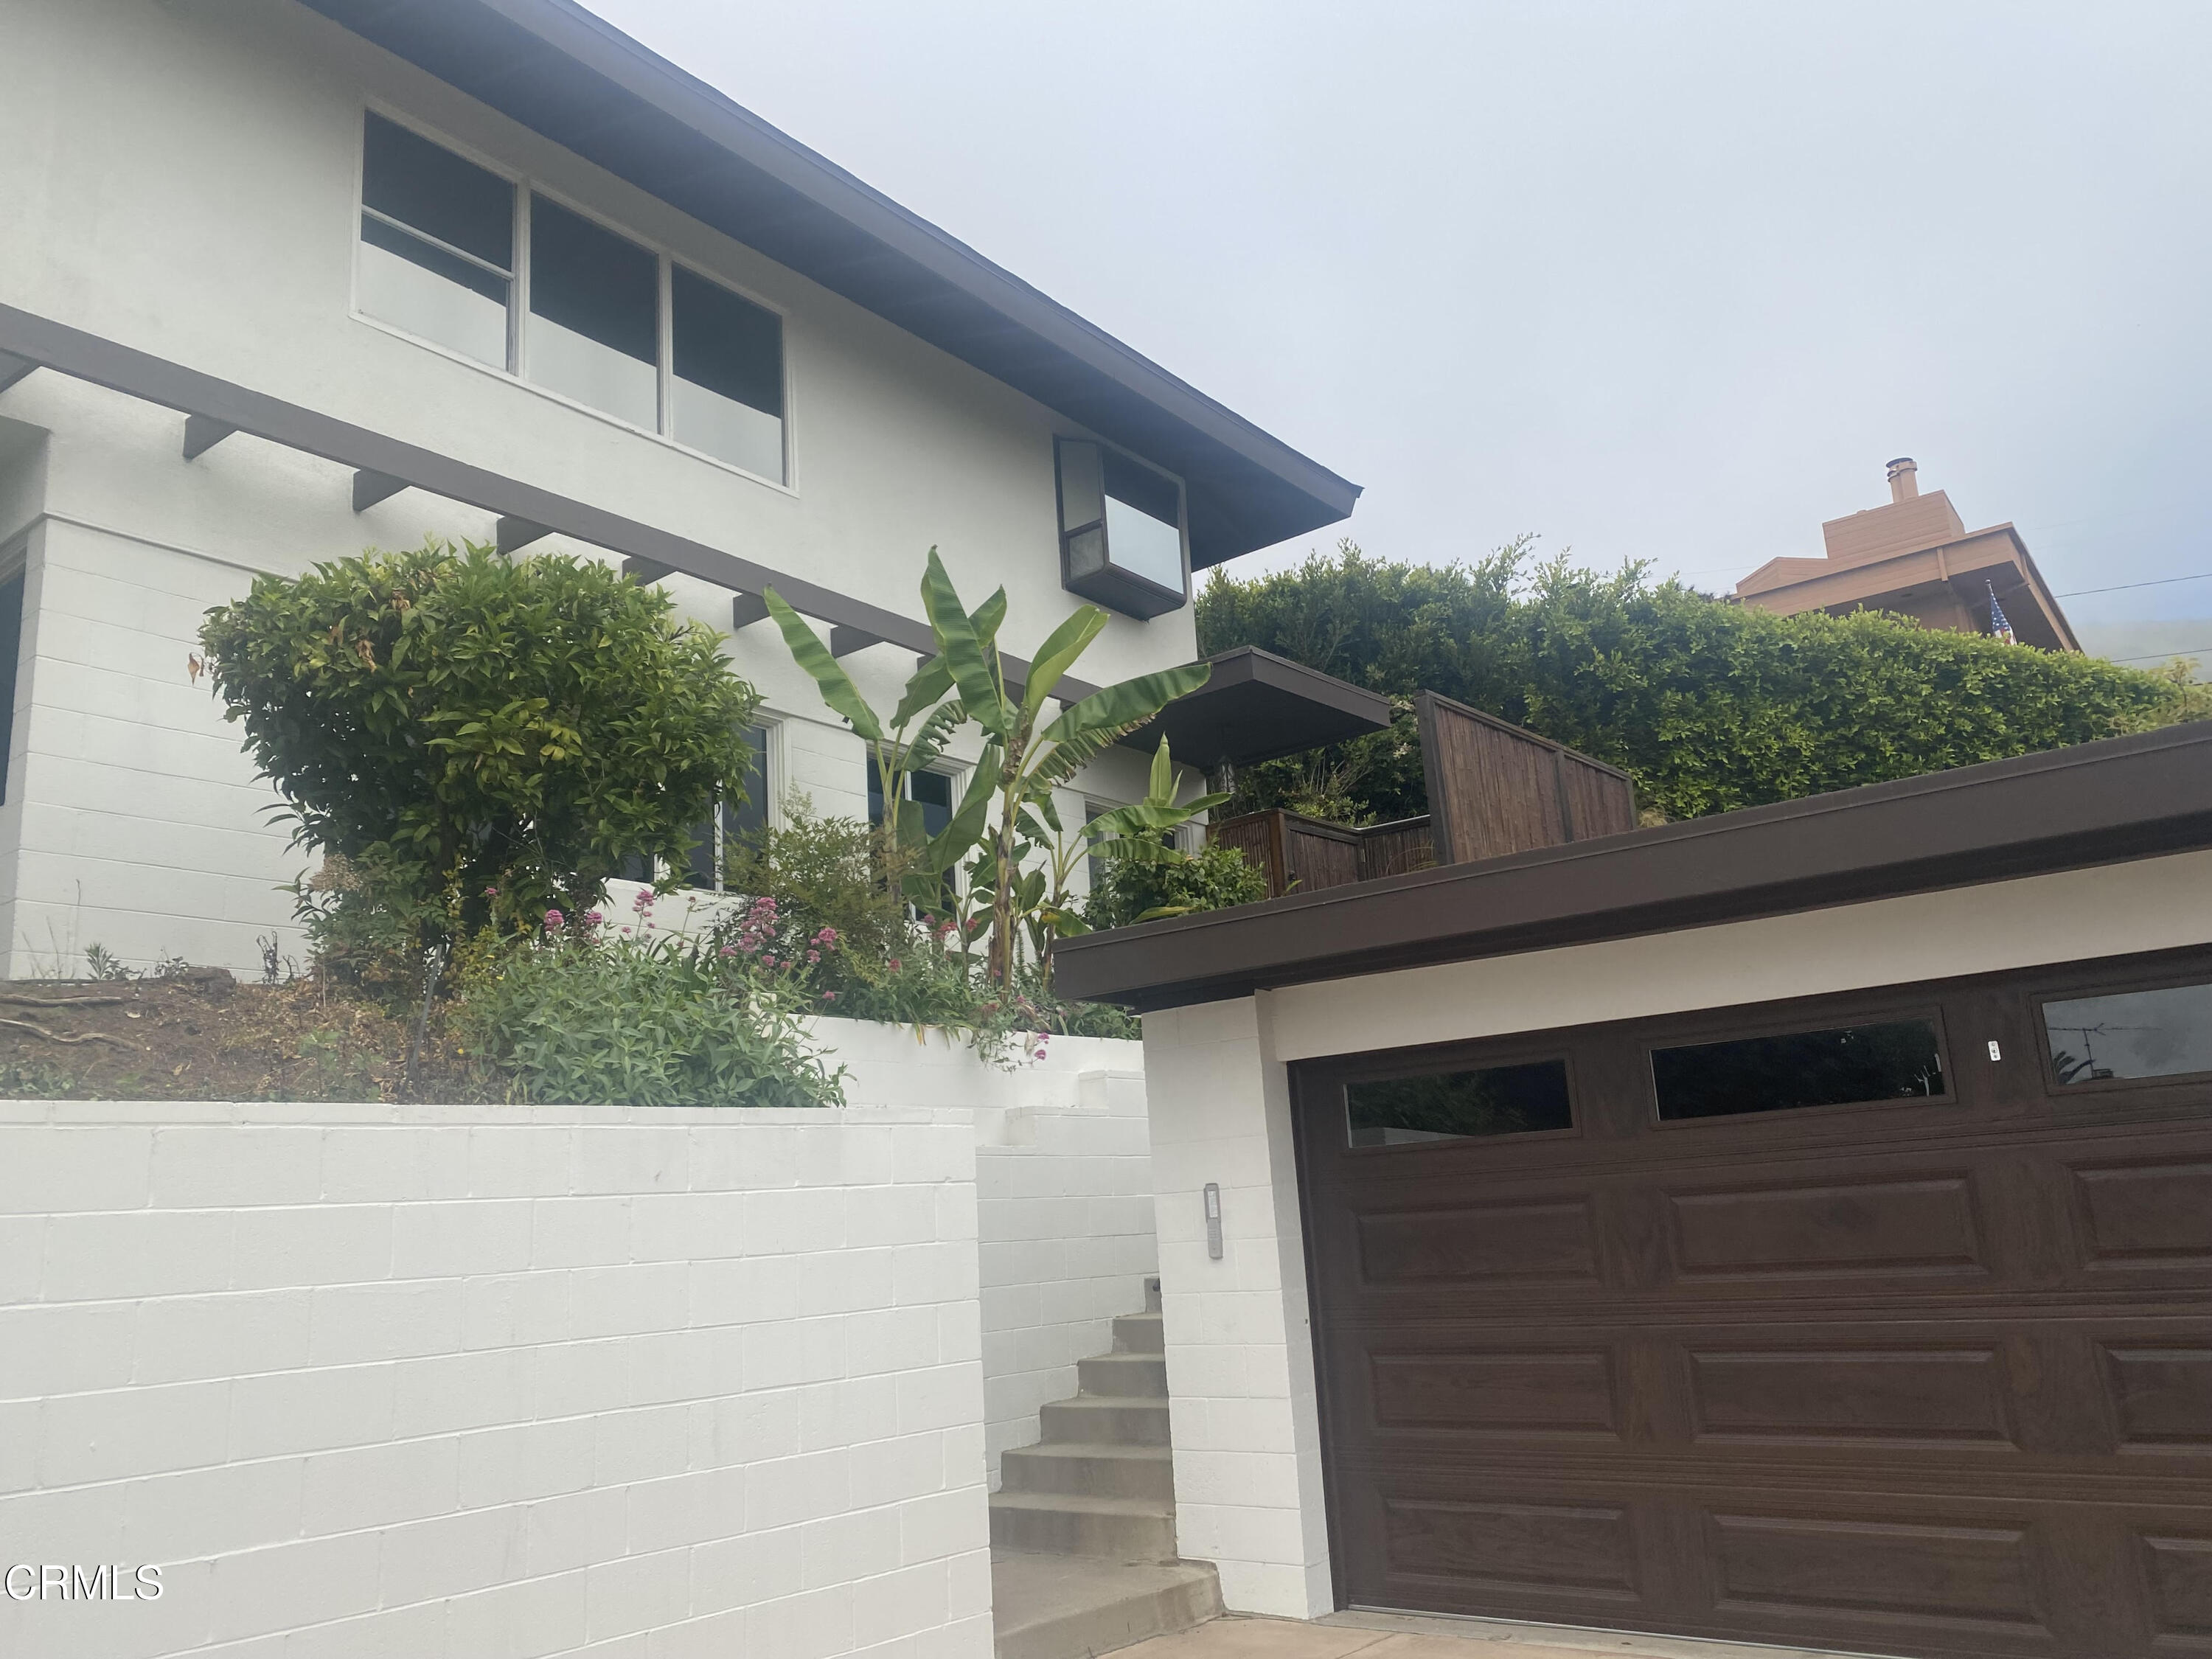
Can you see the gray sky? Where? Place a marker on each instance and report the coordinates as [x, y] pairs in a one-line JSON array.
[[1658, 281]]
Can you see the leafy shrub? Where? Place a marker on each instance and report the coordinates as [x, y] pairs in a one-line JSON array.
[[589, 1021], [822, 873], [822, 923], [933, 983], [486, 738], [1710, 706], [1133, 890]]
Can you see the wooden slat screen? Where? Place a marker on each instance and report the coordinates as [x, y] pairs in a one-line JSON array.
[[1392, 849], [1495, 789]]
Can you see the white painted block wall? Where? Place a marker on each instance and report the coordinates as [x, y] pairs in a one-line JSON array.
[[1063, 1173], [476, 1382], [1244, 1414]]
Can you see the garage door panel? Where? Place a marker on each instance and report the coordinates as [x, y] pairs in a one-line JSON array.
[[1946, 1402], [1930, 1378], [2162, 1396], [2152, 1213], [1572, 1391], [1871, 1573], [1943, 1396], [1540, 1549], [2177, 1580], [1813, 1569], [1502, 1244], [1924, 1225], [2061, 1212]]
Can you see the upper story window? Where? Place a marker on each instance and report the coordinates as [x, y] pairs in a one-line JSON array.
[[449, 249], [1121, 530], [437, 243]]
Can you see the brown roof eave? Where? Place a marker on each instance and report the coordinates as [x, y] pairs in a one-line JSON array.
[[2100, 803]]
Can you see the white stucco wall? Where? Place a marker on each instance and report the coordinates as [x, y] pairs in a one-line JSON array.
[[208, 215], [1240, 1361], [431, 1381]]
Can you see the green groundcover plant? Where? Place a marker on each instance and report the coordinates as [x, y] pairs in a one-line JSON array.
[[593, 1013], [1709, 706]]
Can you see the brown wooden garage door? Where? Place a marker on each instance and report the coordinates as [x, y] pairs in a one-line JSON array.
[[1822, 1323]]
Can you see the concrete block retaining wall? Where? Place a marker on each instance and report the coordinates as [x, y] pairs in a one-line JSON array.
[[493, 1381]]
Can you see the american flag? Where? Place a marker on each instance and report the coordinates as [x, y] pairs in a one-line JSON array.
[[1999, 627]]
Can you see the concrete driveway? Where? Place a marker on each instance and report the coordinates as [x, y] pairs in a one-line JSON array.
[[1387, 1636]]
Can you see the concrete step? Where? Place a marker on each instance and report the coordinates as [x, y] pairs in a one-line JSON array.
[[1064, 1523], [1139, 1334], [1071, 1607], [1107, 1471], [1125, 1376], [1097, 1419]]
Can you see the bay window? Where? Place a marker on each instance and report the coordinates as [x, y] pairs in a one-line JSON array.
[[1121, 530]]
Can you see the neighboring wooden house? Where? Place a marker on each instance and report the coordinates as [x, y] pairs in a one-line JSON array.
[[1915, 556]]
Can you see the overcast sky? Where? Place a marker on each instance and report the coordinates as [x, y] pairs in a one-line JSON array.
[[1654, 281]]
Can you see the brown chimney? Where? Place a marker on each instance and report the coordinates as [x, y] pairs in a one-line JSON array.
[[1904, 479]]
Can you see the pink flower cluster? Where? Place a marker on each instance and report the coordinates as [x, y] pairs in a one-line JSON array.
[[760, 935]]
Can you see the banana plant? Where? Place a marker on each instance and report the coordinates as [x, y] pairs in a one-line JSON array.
[[916, 731], [1137, 833], [1025, 757]]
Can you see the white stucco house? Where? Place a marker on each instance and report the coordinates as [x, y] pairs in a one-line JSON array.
[[325, 274]]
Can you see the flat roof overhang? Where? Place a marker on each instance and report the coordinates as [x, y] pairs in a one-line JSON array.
[[557, 69], [2097, 803], [1257, 706]]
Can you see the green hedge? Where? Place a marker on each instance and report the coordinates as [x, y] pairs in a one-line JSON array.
[[1710, 706]]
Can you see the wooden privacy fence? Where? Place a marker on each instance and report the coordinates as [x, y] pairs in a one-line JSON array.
[[1495, 789], [1300, 854]]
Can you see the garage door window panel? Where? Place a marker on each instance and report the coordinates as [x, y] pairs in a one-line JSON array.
[[1840, 1066], [2155, 1034], [1531, 1097]]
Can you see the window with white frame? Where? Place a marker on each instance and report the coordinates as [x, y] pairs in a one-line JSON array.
[[455, 254]]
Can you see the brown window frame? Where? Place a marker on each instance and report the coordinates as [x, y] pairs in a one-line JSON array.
[[1336, 1073], [2195, 972], [1738, 1030]]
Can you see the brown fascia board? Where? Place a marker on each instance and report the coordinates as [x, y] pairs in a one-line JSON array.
[[46, 344], [1781, 573], [2097, 803], [554, 68]]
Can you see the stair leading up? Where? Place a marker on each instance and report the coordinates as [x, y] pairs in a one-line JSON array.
[[1083, 1543]]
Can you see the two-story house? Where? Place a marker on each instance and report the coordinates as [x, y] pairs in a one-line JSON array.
[[280, 279]]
